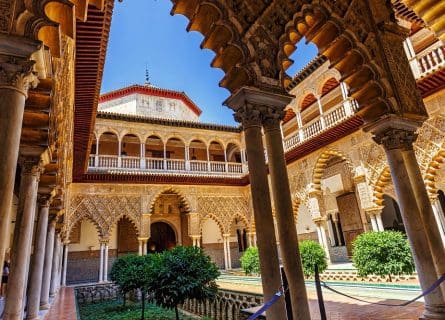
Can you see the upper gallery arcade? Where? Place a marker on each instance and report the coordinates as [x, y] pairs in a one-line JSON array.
[[359, 149]]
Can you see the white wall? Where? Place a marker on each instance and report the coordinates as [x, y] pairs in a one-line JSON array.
[[304, 220], [89, 237], [211, 232]]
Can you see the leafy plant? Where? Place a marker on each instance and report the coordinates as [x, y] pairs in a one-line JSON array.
[[250, 261], [312, 254], [179, 274], [382, 253], [128, 272]]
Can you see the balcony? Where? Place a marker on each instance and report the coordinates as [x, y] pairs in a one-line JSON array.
[[428, 62], [322, 123], [107, 163]]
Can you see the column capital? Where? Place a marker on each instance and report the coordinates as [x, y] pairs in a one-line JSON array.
[[44, 200], [104, 241], [31, 166], [17, 74], [373, 211], [252, 106], [394, 132]]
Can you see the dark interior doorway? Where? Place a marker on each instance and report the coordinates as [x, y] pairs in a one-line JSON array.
[[162, 237]]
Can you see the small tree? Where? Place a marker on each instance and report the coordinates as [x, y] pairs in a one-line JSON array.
[[179, 274], [250, 261], [312, 254], [128, 272], [382, 253]]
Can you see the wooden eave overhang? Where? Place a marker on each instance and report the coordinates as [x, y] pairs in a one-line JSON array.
[[167, 122], [91, 46], [153, 178], [432, 83]]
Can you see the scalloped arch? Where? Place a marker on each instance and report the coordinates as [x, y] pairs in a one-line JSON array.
[[321, 163]]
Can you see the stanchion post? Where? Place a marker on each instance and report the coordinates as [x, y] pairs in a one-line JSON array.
[[319, 294], [286, 294]]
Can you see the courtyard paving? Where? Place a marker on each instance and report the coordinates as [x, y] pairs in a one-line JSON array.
[[342, 308]]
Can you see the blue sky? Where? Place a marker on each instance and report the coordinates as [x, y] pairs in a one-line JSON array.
[[143, 33]]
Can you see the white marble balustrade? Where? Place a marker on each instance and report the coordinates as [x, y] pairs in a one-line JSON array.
[[165, 165]]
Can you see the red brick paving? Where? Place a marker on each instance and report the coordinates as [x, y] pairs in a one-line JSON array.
[[339, 308], [64, 307]]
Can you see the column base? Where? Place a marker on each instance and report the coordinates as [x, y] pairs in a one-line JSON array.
[[435, 312], [44, 306]]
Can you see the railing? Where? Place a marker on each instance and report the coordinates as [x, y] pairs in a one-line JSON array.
[[103, 162], [198, 165], [431, 60], [175, 164], [108, 161], [330, 119], [154, 164], [130, 162]]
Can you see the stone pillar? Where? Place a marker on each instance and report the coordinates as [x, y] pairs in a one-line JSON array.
[[378, 219], [55, 267], [438, 215], [141, 249], [16, 77], [196, 240], [228, 256], [144, 247], [374, 223], [321, 233], [65, 263], [226, 262], [250, 118], [17, 283], [105, 272], [38, 259], [101, 264], [46, 278], [320, 109], [397, 137], [287, 232]]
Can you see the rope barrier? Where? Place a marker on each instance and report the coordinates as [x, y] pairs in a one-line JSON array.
[[268, 304], [433, 287]]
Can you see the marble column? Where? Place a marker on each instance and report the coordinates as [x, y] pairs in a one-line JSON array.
[[438, 215], [287, 232], [105, 272], [250, 118], [425, 210], [322, 239], [65, 263], [140, 252], [16, 78], [374, 223], [38, 259], [227, 251], [21, 253], [397, 137], [101, 263], [378, 219], [55, 267], [226, 262], [47, 267], [144, 247]]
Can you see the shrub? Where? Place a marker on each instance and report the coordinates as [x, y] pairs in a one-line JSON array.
[[250, 261], [128, 272], [179, 274], [382, 253], [312, 254]]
